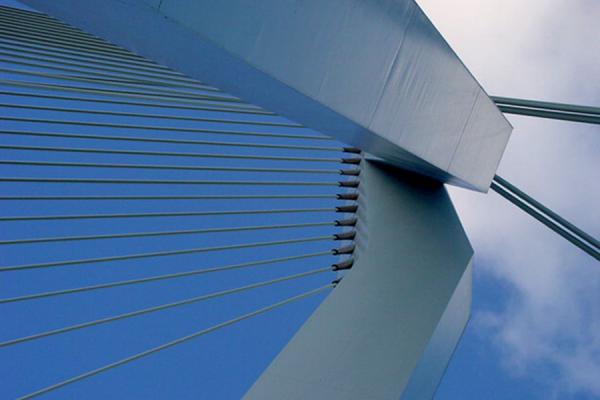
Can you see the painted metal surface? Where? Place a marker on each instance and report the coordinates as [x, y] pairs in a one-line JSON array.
[[389, 328], [375, 74]]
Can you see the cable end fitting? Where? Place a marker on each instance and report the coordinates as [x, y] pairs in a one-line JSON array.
[[347, 209], [350, 172], [346, 222], [347, 196], [350, 184], [354, 161], [343, 250], [343, 265], [349, 235]]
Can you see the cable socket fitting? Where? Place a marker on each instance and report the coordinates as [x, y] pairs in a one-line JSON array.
[[346, 222], [343, 265], [349, 235], [343, 250], [347, 209], [347, 196]]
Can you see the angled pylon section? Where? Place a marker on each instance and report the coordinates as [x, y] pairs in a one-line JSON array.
[[374, 74], [388, 330]]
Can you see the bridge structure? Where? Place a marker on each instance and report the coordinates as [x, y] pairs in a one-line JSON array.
[[271, 152]]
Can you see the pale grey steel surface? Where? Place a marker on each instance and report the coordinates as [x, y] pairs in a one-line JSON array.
[[389, 329], [375, 74]]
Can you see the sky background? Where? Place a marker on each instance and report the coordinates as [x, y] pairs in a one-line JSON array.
[[535, 326]]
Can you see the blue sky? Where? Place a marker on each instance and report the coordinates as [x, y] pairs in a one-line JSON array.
[[536, 301]]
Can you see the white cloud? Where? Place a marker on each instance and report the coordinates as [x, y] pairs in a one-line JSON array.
[[549, 50]]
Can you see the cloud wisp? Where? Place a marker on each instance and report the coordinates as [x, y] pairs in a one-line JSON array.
[[546, 50]]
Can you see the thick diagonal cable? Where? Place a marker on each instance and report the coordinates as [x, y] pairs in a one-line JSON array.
[[170, 167], [130, 103], [558, 115], [171, 141], [543, 109], [161, 307], [147, 115], [156, 278], [548, 212], [589, 249], [154, 91], [131, 94], [173, 154], [162, 128], [138, 256], [164, 233], [175, 342]]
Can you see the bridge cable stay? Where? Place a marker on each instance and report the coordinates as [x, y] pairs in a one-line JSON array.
[[549, 218], [116, 165]]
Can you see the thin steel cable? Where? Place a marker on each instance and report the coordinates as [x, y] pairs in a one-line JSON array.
[[548, 212], [161, 307], [83, 68], [86, 57], [163, 214], [174, 343], [170, 167], [129, 94], [49, 24], [546, 221], [57, 34], [155, 73], [171, 141], [116, 53], [162, 128], [131, 103], [176, 275], [63, 33], [25, 53], [167, 197], [165, 233], [154, 91], [165, 181], [35, 15], [34, 30], [139, 256], [149, 115], [125, 77], [171, 154], [49, 27], [108, 79], [78, 53]]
